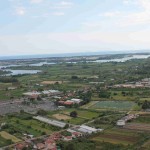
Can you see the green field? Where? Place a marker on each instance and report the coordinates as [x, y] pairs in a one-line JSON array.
[[4, 142], [83, 115], [17, 125], [117, 136], [8, 136], [114, 105]]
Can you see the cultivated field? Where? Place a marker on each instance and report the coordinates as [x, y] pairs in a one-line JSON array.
[[53, 82], [113, 105], [138, 126], [117, 137], [8, 136], [61, 117]]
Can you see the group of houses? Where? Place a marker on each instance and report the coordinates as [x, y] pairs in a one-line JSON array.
[[122, 121], [88, 130], [144, 83], [69, 102], [50, 142], [35, 94]]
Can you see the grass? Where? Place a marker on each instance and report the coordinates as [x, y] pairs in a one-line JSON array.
[[83, 115], [9, 137], [76, 121], [114, 105], [143, 119], [18, 125], [3, 142], [117, 136]]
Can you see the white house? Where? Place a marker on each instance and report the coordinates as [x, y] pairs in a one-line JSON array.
[[121, 123], [76, 101]]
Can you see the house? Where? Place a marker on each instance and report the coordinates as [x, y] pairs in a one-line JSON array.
[[121, 123], [67, 138], [21, 146], [76, 134], [51, 121], [76, 101], [50, 144], [89, 130], [68, 103], [33, 94], [40, 146]]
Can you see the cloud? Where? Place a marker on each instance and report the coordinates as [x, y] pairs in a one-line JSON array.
[[58, 13], [126, 1], [91, 24], [63, 5], [73, 42], [20, 11], [138, 18], [36, 1], [110, 14]]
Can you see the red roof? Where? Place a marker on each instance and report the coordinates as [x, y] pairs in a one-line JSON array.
[[20, 146], [68, 103], [76, 133]]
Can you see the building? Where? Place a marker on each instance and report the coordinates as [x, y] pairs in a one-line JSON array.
[[89, 130], [68, 103], [50, 121], [121, 123], [76, 101]]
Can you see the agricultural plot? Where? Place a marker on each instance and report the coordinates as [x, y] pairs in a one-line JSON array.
[[8, 136], [114, 105], [85, 114], [61, 117], [117, 137], [146, 145], [138, 127], [82, 115], [19, 125], [4, 142], [76, 121], [143, 119]]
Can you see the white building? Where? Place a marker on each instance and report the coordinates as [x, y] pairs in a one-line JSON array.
[[87, 129], [76, 101], [51, 122], [32, 93], [121, 123]]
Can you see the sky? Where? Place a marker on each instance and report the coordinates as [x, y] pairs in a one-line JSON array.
[[69, 26]]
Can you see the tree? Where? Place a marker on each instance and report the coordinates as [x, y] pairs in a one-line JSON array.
[[146, 105], [104, 94], [73, 114], [42, 112]]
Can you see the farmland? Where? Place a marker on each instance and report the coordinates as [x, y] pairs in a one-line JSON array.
[[82, 116], [101, 104], [18, 125], [8, 136], [117, 136], [138, 127], [114, 105]]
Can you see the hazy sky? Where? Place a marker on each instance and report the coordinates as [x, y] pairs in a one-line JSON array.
[[65, 26]]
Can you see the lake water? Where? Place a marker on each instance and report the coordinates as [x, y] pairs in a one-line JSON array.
[[41, 64], [21, 72], [123, 59], [17, 72]]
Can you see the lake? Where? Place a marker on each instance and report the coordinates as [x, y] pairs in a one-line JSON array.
[[21, 72]]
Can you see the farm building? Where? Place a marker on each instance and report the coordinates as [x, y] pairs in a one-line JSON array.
[[76, 101], [51, 92], [68, 103], [87, 129], [32, 93], [50, 121], [121, 123]]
